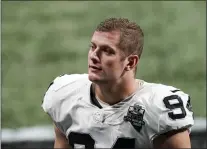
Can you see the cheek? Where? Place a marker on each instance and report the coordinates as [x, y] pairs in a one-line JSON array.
[[108, 62], [89, 54], [113, 64]]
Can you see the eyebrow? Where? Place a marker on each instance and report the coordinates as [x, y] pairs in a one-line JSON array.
[[104, 45]]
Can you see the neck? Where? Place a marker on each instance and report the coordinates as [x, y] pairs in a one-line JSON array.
[[113, 93]]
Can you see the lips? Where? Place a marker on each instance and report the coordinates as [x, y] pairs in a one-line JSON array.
[[95, 67]]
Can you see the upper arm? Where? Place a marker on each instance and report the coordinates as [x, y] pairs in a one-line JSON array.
[[173, 140], [60, 140], [56, 100]]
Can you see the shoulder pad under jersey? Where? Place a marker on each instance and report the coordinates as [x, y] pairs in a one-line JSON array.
[[62, 87]]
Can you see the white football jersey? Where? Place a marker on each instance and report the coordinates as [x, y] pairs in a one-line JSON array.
[[132, 123]]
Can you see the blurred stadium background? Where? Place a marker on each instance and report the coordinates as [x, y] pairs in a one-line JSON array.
[[41, 40]]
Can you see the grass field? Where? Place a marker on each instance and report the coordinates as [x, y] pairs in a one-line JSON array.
[[41, 40]]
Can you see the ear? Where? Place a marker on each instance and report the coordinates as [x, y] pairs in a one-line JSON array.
[[132, 61]]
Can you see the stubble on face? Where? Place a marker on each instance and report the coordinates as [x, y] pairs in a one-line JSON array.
[[111, 40]]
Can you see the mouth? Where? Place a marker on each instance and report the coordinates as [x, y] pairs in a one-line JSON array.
[[94, 67]]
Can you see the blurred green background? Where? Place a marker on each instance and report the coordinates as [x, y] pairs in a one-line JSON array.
[[41, 40]]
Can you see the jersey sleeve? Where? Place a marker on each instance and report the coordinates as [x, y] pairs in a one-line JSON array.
[[171, 110]]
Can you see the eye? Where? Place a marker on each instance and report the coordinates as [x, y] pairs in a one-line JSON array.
[[108, 51], [92, 46]]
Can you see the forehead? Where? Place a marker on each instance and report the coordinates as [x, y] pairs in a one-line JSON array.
[[106, 38]]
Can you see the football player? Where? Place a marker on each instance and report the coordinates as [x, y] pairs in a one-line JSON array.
[[109, 107]]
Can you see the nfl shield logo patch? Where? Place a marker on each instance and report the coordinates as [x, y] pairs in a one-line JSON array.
[[135, 116]]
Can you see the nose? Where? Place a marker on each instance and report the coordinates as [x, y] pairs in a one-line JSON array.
[[94, 56]]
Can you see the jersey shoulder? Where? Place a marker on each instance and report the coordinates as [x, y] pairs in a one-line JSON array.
[[160, 92], [165, 96], [63, 87], [65, 80], [168, 108]]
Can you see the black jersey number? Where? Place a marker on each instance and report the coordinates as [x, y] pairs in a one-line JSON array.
[[89, 143], [168, 101]]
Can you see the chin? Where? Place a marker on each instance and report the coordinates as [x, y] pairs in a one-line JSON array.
[[94, 78]]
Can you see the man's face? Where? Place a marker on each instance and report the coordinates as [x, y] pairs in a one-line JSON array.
[[105, 59]]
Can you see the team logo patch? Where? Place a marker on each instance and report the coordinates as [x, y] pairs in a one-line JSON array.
[[135, 116]]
